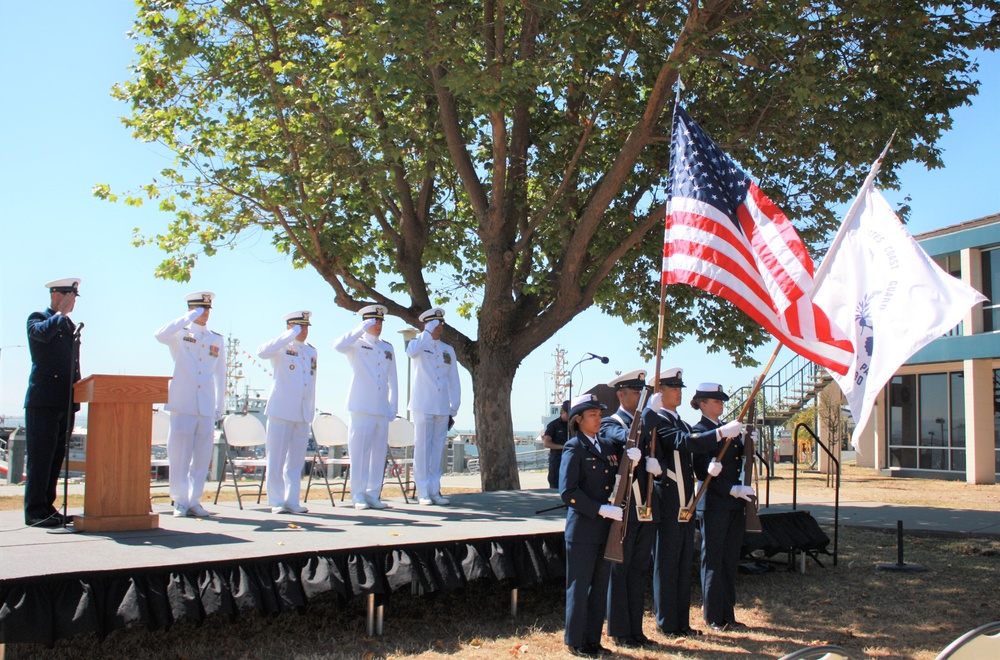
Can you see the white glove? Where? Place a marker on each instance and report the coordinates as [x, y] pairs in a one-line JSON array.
[[653, 467], [367, 323], [655, 402], [730, 430], [431, 325], [715, 468], [633, 454], [742, 492], [753, 436], [296, 330], [194, 313], [611, 512]]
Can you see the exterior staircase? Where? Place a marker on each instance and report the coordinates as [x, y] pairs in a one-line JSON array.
[[785, 391]]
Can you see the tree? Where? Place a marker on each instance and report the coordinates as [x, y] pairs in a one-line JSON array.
[[510, 158]]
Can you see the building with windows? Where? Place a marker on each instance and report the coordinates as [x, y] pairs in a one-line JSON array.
[[939, 416]]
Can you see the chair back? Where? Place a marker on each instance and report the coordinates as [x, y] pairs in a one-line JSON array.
[[820, 652], [401, 433], [243, 430], [981, 642], [161, 427], [329, 430]]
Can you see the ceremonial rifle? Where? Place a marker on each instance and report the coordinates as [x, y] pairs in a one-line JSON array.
[[749, 460], [686, 514], [621, 496]]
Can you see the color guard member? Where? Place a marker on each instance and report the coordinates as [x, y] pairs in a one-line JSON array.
[[434, 403], [674, 548], [372, 400], [586, 478], [627, 590], [291, 406], [196, 400], [722, 511], [47, 413]]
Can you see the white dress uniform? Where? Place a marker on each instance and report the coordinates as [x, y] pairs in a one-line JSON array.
[[196, 399], [372, 400], [436, 396], [291, 405]]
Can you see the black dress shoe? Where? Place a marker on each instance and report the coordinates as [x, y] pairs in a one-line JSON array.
[[736, 624], [627, 642], [600, 650], [672, 633], [581, 651], [717, 627], [50, 521]]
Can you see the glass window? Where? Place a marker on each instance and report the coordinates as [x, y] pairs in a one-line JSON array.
[[903, 421], [927, 421], [996, 416], [991, 283]]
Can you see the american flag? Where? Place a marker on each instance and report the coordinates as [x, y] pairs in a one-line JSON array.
[[726, 237]]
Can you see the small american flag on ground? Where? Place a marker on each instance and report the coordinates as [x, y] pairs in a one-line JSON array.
[[724, 236]]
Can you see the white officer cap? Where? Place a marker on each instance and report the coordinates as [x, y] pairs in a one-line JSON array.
[[432, 314], [373, 312], [200, 299], [710, 391], [633, 380], [297, 318], [586, 402], [669, 377], [65, 285]]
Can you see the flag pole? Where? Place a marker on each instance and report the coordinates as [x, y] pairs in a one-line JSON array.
[[687, 514], [858, 200]]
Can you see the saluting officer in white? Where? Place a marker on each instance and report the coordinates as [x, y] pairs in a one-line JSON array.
[[435, 400], [196, 400], [291, 405], [372, 400]]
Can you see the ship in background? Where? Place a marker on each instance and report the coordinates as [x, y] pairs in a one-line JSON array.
[[558, 380]]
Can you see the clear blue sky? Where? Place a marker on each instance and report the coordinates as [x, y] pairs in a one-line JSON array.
[[62, 134]]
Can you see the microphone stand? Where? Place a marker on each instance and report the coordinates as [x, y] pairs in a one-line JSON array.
[[74, 360], [590, 356]]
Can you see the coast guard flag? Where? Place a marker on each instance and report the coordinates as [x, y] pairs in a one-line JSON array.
[[882, 290], [724, 236]]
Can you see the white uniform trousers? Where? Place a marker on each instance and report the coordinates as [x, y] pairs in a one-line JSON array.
[[286, 444], [367, 445], [189, 451], [429, 435]]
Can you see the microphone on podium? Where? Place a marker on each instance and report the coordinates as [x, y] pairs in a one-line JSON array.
[[603, 360]]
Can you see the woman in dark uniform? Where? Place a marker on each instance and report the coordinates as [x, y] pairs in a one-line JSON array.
[[586, 479], [722, 512]]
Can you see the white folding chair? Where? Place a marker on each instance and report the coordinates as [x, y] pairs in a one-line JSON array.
[[399, 458], [243, 433], [981, 642], [819, 652], [330, 433], [158, 461]]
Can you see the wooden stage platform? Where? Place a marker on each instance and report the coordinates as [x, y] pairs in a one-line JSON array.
[[56, 585]]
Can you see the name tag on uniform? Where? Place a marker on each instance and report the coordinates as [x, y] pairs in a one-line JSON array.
[[366, 348], [190, 338], [213, 350]]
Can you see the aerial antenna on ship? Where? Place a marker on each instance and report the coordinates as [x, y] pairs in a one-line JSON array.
[[560, 377]]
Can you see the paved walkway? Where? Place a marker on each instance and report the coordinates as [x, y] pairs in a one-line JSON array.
[[937, 520]]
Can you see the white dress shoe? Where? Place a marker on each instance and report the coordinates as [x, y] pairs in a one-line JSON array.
[[295, 508], [361, 506], [424, 501], [375, 502], [437, 499], [278, 509], [180, 512], [198, 510]]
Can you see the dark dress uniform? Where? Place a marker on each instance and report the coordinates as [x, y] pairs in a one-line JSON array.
[[557, 429], [586, 479], [723, 521], [627, 590], [674, 549], [46, 409]]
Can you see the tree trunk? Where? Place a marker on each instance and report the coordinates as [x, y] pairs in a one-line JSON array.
[[492, 381]]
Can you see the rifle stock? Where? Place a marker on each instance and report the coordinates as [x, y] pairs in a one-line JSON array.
[[614, 549]]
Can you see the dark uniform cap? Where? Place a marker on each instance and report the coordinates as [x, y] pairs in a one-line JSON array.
[[67, 285], [669, 377], [633, 380], [710, 391], [586, 402]]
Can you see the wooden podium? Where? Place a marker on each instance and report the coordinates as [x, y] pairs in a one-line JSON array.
[[119, 428]]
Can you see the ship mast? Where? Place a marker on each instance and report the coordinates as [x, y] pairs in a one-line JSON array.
[[560, 378], [234, 372]]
